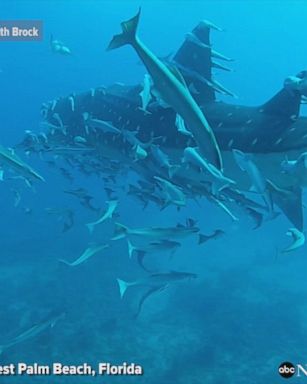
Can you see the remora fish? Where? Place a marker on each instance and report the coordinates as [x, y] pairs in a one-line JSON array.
[[145, 93], [173, 91], [105, 126], [156, 233], [163, 160], [295, 166], [155, 279], [35, 330], [217, 233], [89, 252], [174, 194], [59, 47], [19, 166], [298, 240], [83, 196], [108, 214], [215, 176], [67, 216], [179, 122], [68, 150], [259, 183], [158, 246], [156, 282]]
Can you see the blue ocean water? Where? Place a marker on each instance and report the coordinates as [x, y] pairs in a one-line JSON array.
[[245, 313]]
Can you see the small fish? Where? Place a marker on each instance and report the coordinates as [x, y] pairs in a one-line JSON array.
[[218, 55], [80, 140], [156, 233], [108, 214], [66, 174], [295, 166], [145, 94], [35, 330], [153, 247], [59, 47], [298, 240], [215, 176], [256, 216], [216, 234], [173, 193], [11, 160], [209, 24], [170, 84], [105, 126], [67, 216], [179, 122], [17, 197], [139, 153], [223, 90], [68, 150], [155, 282], [259, 184], [83, 196], [195, 40], [163, 160], [89, 252]]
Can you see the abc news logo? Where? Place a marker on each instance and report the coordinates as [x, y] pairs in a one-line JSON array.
[[287, 370]]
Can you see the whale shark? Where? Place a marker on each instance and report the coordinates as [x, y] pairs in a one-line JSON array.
[[271, 132]]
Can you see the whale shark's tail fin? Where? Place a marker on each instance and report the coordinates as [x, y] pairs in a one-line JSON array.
[[128, 35]]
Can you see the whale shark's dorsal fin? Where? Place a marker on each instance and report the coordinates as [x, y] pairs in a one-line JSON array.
[[196, 58]]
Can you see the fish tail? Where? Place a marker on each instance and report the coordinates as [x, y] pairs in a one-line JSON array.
[[131, 248], [120, 231], [172, 170], [90, 227], [65, 262], [128, 36], [140, 258], [123, 286], [202, 238]]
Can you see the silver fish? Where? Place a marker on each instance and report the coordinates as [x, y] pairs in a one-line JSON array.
[[108, 214], [156, 233], [174, 92], [89, 252], [35, 330]]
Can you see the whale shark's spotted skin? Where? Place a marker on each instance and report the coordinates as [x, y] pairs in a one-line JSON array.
[[270, 131]]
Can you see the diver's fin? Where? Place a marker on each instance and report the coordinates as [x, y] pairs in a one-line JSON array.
[[290, 202], [129, 28]]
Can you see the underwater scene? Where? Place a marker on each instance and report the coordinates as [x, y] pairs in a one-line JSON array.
[[153, 165]]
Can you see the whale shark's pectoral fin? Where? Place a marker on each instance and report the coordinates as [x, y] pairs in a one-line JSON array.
[[289, 201]]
